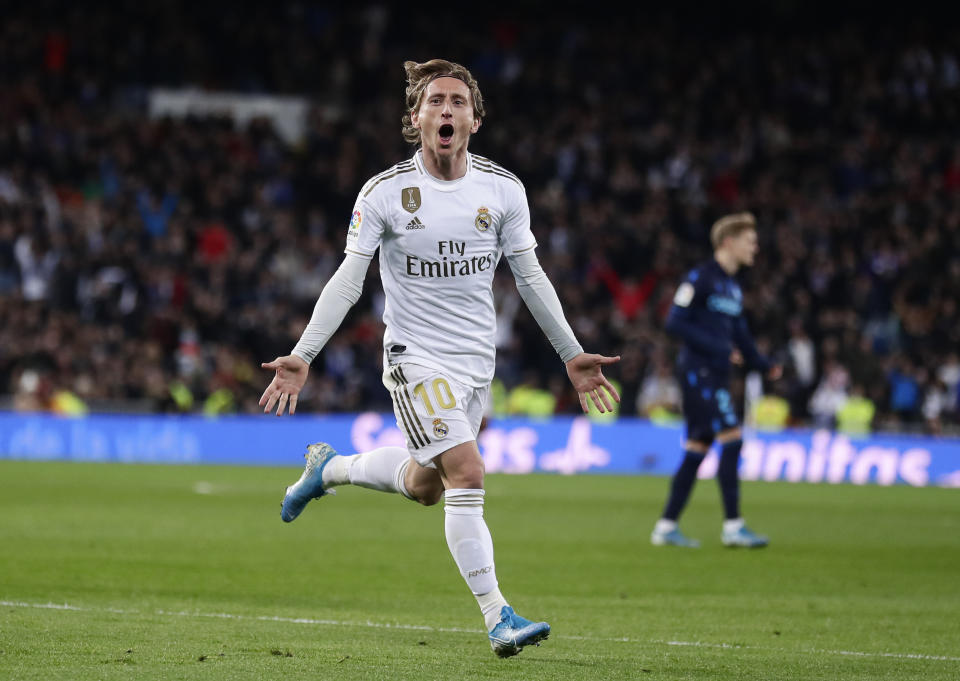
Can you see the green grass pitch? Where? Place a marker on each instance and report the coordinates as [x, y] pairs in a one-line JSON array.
[[186, 572]]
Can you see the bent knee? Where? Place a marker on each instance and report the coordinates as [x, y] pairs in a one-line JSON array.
[[467, 481], [429, 497], [468, 477], [427, 494], [697, 446], [731, 435]]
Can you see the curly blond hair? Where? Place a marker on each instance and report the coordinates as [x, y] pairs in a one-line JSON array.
[[420, 75]]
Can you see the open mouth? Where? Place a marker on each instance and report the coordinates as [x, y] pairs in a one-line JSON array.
[[446, 133]]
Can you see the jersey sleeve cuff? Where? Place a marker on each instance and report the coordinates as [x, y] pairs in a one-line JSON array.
[[569, 353], [304, 355], [351, 251]]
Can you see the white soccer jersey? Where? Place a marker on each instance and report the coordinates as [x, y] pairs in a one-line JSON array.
[[440, 243]]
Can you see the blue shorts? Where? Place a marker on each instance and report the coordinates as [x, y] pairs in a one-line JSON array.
[[707, 407]]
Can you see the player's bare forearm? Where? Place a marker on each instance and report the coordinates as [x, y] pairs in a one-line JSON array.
[[289, 378], [586, 374]]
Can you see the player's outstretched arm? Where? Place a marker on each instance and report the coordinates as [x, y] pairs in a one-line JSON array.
[[289, 379], [584, 369], [586, 374], [340, 294]]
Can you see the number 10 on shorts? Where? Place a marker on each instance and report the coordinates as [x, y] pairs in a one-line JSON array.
[[441, 392]]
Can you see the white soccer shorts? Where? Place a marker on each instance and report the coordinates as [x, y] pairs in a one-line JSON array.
[[434, 412]]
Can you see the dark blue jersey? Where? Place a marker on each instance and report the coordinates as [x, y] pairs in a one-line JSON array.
[[707, 315]]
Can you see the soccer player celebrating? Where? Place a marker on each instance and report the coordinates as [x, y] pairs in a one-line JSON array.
[[441, 221], [707, 316]]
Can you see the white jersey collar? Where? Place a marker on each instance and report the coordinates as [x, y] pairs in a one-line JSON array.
[[441, 185]]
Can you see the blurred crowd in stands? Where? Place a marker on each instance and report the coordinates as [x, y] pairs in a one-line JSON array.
[[152, 264]]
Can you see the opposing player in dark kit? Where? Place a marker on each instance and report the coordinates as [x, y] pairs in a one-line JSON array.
[[707, 316]]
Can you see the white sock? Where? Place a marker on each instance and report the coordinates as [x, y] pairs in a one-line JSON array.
[[490, 606], [733, 525], [337, 471], [663, 526], [472, 549], [380, 469]]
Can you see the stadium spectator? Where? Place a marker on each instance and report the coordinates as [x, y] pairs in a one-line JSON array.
[[949, 374], [905, 388], [771, 412], [832, 134], [802, 365], [831, 393], [936, 402], [855, 414], [528, 399], [660, 397]]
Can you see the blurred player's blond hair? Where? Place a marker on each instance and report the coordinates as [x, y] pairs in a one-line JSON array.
[[731, 225]]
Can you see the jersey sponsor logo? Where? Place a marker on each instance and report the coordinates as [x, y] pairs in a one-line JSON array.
[[355, 221], [410, 199], [440, 429], [725, 305], [415, 224], [483, 220], [684, 295], [428, 269]]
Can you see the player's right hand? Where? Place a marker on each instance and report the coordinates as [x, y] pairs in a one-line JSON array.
[[291, 374], [736, 359]]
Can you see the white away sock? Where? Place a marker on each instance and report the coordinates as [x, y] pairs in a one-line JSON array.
[[733, 525], [663, 526], [380, 469], [337, 471], [470, 544]]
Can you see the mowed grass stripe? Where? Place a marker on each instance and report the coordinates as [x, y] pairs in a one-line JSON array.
[[451, 630], [853, 576]]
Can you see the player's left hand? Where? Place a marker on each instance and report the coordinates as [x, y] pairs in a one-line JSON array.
[[775, 372], [587, 377]]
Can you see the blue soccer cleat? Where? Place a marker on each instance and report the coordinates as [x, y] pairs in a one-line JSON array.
[[673, 538], [310, 484], [513, 632], [743, 537]]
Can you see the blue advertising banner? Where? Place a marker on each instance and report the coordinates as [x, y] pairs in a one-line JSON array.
[[565, 445]]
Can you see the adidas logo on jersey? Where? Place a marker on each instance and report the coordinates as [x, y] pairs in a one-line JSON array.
[[416, 224]]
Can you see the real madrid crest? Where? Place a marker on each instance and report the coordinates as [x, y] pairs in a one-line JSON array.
[[440, 429], [410, 199], [483, 220]]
